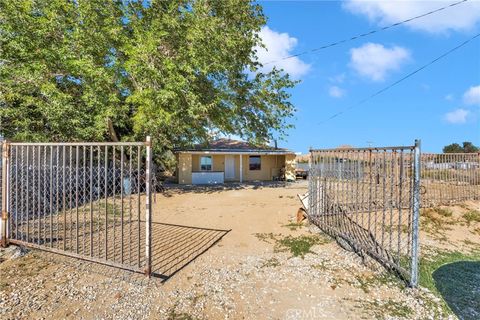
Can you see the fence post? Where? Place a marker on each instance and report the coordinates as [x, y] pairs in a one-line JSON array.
[[148, 207], [310, 185], [416, 213], [5, 194]]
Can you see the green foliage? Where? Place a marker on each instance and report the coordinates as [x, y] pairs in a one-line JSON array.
[[180, 71], [467, 147], [55, 84], [301, 245], [298, 246], [453, 148]]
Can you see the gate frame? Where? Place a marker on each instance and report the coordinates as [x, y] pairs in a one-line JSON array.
[[415, 202], [5, 217], [4, 227], [417, 166]]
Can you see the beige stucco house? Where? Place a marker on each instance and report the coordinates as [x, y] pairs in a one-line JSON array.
[[227, 160]]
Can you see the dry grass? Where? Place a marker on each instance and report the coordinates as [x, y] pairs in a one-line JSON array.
[[471, 216], [435, 220]]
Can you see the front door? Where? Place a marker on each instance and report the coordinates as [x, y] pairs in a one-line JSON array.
[[229, 167]]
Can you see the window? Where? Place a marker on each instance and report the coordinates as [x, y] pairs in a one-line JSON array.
[[206, 163], [254, 163]]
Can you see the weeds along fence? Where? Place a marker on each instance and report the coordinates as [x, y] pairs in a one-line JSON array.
[[449, 177], [369, 199], [87, 200]]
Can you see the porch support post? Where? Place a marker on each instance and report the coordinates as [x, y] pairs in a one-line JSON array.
[[241, 168]]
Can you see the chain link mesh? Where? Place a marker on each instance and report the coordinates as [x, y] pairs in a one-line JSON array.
[[364, 198], [88, 200]]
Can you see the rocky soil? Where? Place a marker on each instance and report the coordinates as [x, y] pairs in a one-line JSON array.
[[248, 274]]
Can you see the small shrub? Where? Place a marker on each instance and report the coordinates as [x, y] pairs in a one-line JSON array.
[[432, 222], [471, 216], [444, 212], [300, 246]]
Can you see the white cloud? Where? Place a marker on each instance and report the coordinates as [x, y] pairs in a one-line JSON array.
[[472, 96], [374, 61], [458, 18], [449, 97], [339, 78], [280, 45], [457, 116], [336, 92]]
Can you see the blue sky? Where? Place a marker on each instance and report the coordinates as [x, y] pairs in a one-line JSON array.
[[439, 105]]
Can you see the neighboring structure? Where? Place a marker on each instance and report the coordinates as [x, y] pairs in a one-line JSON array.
[[458, 165], [302, 165], [226, 160]]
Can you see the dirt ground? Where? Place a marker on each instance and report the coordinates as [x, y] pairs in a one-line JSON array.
[[250, 271]]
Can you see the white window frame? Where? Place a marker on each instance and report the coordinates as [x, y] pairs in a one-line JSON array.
[[211, 163]]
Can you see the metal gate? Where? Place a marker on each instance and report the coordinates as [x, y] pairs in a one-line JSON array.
[[87, 200], [369, 199]]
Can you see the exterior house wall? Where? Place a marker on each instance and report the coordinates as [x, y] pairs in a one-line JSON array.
[[218, 162], [270, 166], [184, 168]]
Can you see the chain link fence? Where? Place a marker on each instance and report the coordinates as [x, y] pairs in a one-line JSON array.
[[450, 177], [368, 199], [88, 200]]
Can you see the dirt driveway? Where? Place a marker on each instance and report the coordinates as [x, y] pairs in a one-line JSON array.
[[231, 253]]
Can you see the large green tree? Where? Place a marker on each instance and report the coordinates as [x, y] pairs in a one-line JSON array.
[[467, 147], [180, 71], [59, 78]]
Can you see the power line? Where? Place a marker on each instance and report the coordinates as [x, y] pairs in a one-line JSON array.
[[365, 34], [402, 79]]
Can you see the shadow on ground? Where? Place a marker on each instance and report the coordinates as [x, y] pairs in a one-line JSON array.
[[172, 189], [173, 246], [176, 246], [459, 285]]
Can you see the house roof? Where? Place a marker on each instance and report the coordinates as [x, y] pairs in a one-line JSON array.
[[233, 146]]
